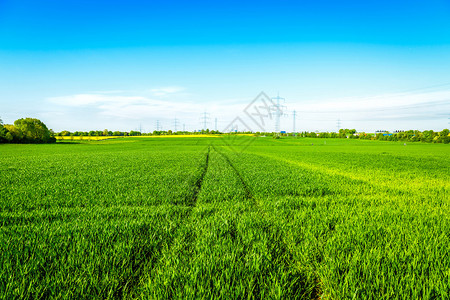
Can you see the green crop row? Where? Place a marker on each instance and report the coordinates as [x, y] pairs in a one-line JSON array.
[[357, 220], [246, 217]]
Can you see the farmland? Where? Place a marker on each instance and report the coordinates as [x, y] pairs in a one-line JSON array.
[[248, 217]]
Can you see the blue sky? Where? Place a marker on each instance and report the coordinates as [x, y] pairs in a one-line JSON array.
[[81, 65]]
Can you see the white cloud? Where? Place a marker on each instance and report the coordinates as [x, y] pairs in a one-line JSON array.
[[94, 99], [134, 107], [111, 109], [399, 101], [390, 111], [411, 110], [165, 91], [109, 92]]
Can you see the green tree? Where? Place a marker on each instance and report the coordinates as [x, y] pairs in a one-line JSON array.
[[428, 136], [9, 137], [444, 136], [33, 131], [3, 133]]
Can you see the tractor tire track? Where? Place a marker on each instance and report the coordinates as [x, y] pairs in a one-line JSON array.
[[198, 183], [298, 283], [247, 190], [153, 258]]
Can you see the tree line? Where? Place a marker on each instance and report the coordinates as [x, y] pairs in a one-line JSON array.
[[26, 131], [107, 132], [30, 130], [427, 136]]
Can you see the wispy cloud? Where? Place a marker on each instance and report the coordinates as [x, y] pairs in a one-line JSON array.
[[109, 92], [409, 110], [165, 91], [395, 101], [390, 110], [133, 107], [80, 100]]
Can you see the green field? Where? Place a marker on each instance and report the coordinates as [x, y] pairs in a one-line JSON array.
[[250, 217]]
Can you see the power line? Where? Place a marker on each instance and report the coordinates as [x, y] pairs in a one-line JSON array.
[[338, 124], [278, 108], [294, 115], [215, 121], [175, 124], [205, 119], [158, 126]]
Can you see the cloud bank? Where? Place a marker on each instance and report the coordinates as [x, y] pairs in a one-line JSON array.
[[113, 109]]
